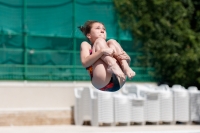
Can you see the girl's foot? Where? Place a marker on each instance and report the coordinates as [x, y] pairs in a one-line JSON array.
[[116, 70], [129, 72], [126, 69]]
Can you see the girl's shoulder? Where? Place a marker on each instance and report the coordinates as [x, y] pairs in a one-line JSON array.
[[85, 44]]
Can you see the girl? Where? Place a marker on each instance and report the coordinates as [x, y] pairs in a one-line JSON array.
[[106, 61]]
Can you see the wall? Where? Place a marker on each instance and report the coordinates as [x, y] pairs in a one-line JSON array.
[[38, 103]]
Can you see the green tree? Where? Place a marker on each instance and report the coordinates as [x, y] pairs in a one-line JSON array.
[[169, 31]]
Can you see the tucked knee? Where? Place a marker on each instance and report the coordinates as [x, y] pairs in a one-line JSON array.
[[111, 41], [100, 41]]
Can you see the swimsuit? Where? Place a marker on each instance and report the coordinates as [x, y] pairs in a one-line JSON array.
[[112, 86]]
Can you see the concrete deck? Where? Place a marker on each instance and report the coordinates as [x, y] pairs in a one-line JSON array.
[[104, 129]]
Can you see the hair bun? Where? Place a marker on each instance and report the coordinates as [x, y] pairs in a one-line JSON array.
[[81, 28]]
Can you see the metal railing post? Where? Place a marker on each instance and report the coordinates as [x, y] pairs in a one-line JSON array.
[[74, 38], [24, 37]]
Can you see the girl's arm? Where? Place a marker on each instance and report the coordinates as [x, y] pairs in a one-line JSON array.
[[87, 59]]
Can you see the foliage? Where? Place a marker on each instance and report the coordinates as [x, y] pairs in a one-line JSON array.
[[170, 34]]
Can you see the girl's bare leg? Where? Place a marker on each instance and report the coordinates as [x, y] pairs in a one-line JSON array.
[[113, 67], [101, 76], [123, 60]]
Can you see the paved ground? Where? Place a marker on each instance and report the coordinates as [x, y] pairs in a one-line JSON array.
[[108, 129]]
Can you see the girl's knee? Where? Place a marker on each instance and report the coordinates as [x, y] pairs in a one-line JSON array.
[[100, 41], [111, 41], [114, 44]]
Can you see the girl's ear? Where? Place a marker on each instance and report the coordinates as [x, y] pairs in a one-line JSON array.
[[88, 36]]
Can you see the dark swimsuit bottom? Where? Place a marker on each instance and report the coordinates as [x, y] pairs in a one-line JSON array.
[[112, 86]]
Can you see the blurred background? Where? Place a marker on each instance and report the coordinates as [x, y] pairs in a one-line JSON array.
[[41, 41], [42, 80]]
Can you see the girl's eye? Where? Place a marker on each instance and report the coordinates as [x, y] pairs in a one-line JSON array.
[[100, 28]]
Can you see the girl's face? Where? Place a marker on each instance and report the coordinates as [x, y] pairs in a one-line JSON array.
[[97, 31]]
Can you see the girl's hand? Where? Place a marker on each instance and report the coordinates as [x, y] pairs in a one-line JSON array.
[[108, 51]]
